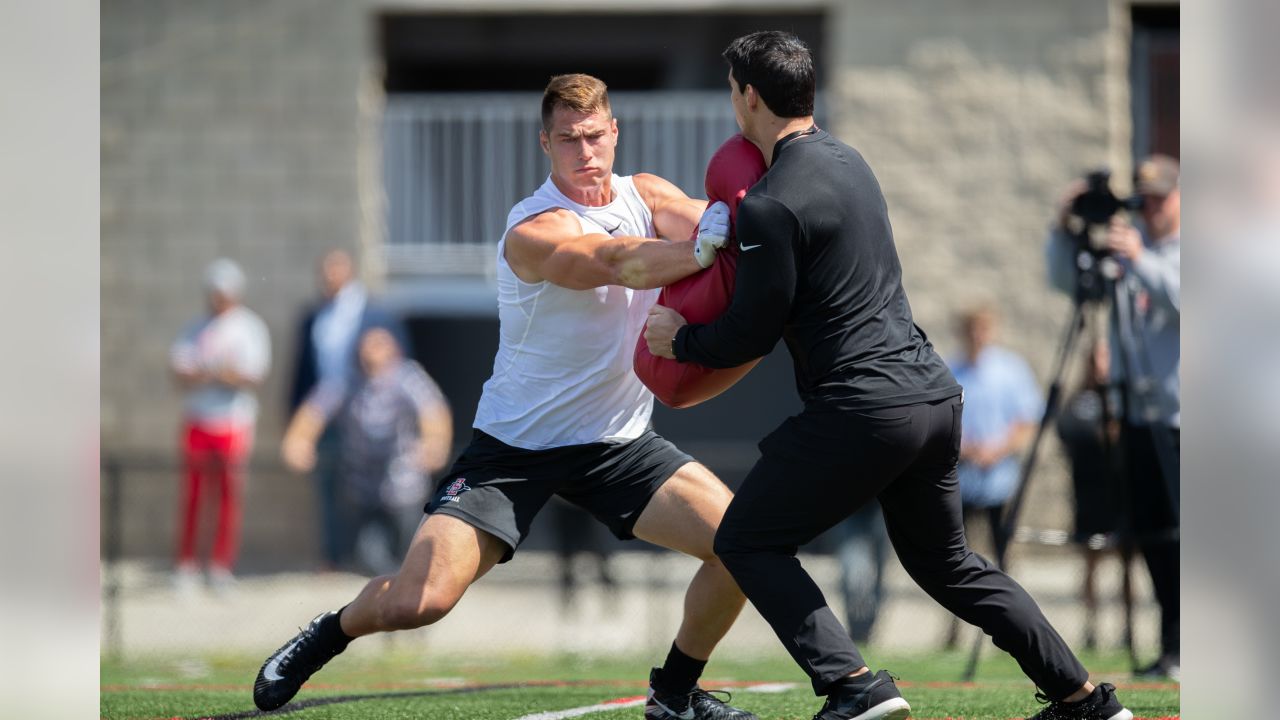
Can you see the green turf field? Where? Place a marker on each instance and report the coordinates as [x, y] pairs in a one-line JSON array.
[[400, 685]]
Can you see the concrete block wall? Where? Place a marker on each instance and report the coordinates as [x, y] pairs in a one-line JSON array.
[[975, 116]]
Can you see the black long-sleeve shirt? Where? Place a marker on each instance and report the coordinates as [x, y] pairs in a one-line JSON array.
[[818, 267]]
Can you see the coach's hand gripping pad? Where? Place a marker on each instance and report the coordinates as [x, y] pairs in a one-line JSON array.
[[704, 296]]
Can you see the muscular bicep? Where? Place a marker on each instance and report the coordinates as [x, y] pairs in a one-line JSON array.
[[675, 215], [551, 247]]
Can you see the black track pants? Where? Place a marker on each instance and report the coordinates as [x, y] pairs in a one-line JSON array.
[[821, 466], [1154, 511]]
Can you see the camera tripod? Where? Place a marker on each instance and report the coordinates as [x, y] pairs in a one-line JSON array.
[[1090, 290]]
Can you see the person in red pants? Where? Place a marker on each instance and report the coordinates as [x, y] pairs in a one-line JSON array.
[[219, 360]]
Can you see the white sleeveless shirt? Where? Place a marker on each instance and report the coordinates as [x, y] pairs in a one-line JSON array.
[[563, 372]]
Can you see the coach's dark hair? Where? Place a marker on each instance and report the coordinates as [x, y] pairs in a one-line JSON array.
[[779, 66]]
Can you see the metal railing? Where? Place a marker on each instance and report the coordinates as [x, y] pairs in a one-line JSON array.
[[455, 163]]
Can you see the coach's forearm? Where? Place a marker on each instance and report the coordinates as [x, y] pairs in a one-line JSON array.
[[763, 292]]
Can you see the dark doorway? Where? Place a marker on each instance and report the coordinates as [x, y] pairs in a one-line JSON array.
[[629, 51], [1154, 72]]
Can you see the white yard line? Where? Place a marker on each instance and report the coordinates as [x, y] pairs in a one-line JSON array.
[[633, 701], [575, 712], [769, 687]]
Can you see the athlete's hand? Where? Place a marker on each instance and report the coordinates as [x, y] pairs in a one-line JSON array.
[[713, 233], [660, 330]]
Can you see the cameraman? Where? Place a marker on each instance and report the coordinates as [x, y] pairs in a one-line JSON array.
[[1145, 337]]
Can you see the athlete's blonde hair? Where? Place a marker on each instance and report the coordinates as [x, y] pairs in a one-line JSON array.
[[578, 92]]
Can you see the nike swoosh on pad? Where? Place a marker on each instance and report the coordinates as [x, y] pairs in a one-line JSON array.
[[269, 672], [745, 248]]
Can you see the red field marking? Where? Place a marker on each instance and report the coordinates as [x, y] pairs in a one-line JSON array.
[[566, 713], [623, 701], [937, 685], [1148, 685]]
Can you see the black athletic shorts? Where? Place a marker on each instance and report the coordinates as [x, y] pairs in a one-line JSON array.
[[499, 488]]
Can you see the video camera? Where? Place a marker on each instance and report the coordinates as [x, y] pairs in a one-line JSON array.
[[1098, 204], [1093, 210]]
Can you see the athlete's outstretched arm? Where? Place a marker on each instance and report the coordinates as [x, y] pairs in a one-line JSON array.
[[551, 247]]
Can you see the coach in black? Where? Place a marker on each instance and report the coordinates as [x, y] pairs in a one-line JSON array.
[[881, 417]]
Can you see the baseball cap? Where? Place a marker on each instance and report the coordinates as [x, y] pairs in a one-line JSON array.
[[224, 276], [1156, 175]]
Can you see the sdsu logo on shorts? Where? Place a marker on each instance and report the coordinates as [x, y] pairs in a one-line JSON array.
[[456, 488]]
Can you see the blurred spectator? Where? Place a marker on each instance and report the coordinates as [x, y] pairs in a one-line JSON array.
[[1002, 405], [577, 534], [862, 551], [1001, 408], [395, 430], [326, 353], [1089, 427], [1145, 339], [218, 361]]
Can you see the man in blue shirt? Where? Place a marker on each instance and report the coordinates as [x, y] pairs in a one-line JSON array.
[[1001, 408]]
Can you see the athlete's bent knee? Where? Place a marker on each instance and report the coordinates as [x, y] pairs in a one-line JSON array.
[[707, 556]]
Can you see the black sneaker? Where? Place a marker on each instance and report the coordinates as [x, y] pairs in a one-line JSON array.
[[284, 672], [1100, 705], [878, 699], [695, 704]]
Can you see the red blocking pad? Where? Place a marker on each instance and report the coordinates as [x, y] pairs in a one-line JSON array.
[[704, 296]]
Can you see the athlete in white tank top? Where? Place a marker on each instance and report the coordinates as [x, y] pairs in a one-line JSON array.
[[578, 268], [563, 375]]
